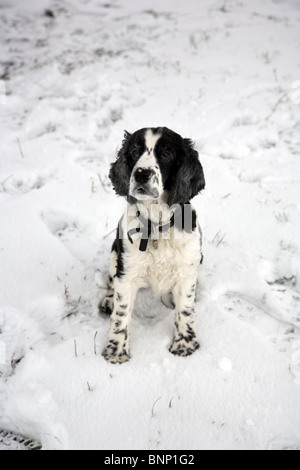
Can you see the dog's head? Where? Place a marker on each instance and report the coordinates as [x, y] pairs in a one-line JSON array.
[[156, 164]]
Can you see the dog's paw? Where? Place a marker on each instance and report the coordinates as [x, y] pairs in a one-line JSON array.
[[115, 356], [106, 306], [184, 348]]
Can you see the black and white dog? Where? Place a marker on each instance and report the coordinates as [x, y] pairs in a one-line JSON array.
[[158, 242]]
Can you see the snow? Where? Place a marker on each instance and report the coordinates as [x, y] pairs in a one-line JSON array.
[[223, 73], [225, 364]]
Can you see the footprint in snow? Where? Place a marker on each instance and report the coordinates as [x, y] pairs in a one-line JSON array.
[[279, 302], [92, 162], [23, 183], [71, 232], [276, 315], [287, 296]]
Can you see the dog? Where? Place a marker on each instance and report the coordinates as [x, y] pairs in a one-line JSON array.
[[159, 241]]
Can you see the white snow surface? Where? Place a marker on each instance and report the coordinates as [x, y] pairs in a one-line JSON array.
[[224, 73]]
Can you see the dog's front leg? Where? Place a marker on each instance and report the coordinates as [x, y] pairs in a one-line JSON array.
[[184, 342], [118, 348]]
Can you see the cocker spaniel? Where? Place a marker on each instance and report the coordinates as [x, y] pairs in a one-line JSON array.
[[159, 240]]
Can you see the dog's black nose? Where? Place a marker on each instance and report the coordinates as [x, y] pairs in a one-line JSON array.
[[142, 175]]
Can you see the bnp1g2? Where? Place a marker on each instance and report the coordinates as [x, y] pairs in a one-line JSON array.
[[171, 459]]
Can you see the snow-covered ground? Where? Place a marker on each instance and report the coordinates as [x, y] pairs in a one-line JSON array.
[[73, 75]]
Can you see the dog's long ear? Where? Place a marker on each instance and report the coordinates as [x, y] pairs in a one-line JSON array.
[[189, 180], [119, 171]]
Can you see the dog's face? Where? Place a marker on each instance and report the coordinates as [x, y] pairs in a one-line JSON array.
[[156, 164]]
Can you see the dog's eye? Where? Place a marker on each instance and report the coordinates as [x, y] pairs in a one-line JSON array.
[[135, 152], [167, 155]]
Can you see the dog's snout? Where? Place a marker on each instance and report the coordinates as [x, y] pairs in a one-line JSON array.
[[143, 175]]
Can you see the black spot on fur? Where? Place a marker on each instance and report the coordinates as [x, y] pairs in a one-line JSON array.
[[123, 331], [120, 313], [180, 351], [186, 313], [118, 247], [105, 308], [111, 349]]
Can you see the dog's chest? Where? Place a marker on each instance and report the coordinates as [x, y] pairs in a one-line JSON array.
[[164, 264]]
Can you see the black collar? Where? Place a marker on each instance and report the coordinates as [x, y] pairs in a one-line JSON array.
[[147, 228]]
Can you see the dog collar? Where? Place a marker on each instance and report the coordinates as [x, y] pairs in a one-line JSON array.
[[147, 228]]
